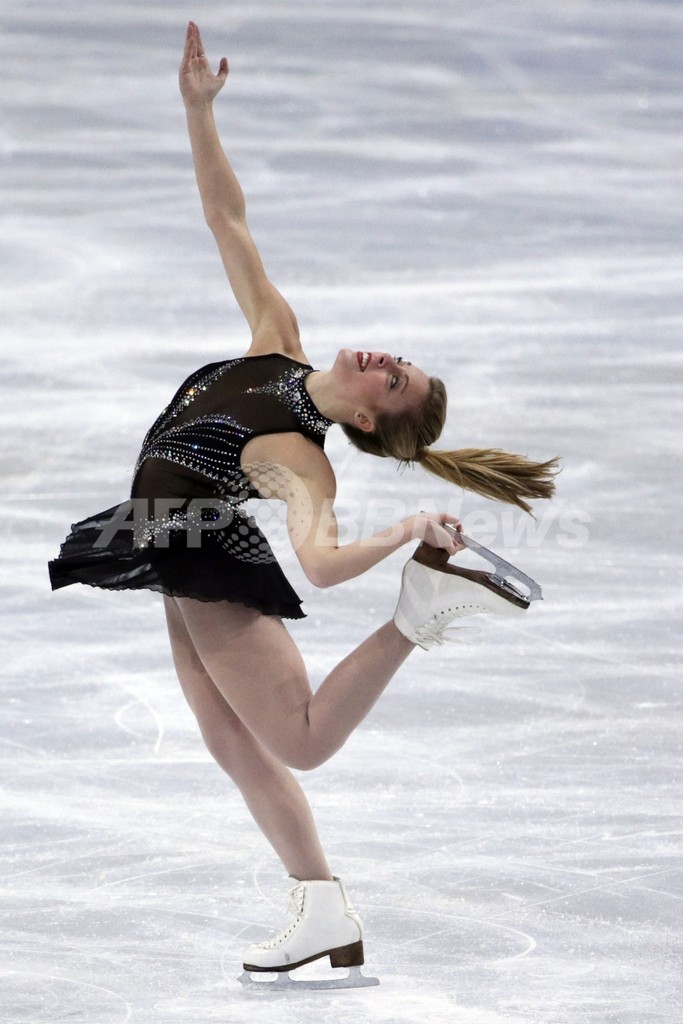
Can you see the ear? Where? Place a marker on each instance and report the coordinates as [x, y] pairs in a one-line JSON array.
[[363, 422]]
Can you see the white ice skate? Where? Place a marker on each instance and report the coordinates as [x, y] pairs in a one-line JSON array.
[[435, 593], [325, 925]]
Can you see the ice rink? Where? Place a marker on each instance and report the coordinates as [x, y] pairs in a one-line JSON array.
[[492, 190]]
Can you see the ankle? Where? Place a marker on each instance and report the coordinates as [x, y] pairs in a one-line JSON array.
[[398, 638], [312, 876]]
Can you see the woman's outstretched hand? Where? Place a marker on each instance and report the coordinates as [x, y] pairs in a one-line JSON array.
[[198, 84], [438, 529]]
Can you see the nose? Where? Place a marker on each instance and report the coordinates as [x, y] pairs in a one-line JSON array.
[[384, 361]]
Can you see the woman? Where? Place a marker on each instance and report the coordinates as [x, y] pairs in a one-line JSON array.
[[254, 427]]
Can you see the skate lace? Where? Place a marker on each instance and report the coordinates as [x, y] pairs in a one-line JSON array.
[[296, 908], [434, 633], [436, 630]]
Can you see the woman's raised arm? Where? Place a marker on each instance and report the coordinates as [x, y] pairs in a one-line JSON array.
[[272, 322]]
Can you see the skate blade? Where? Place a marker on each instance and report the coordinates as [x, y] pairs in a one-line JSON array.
[[281, 981], [504, 571]]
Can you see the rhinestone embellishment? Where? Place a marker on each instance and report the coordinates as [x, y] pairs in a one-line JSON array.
[[212, 444], [290, 388]]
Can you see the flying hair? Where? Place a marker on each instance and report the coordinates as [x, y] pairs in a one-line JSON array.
[[490, 472]]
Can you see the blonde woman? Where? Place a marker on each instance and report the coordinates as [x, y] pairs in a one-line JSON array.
[[254, 426]]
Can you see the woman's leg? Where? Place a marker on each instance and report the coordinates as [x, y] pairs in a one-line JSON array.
[[257, 668], [271, 792]]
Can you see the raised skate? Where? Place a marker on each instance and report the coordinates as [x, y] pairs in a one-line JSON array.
[[325, 925], [499, 579], [434, 593]]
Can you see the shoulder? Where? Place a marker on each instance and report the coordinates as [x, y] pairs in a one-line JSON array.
[[278, 331]]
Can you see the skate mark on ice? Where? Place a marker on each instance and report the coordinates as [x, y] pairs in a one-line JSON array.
[[548, 108], [184, 866], [49, 865], [139, 700], [34, 751], [457, 920], [261, 866], [598, 888], [659, 892], [64, 1006], [574, 650]]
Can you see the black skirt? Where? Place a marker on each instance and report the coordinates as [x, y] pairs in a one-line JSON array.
[[234, 564]]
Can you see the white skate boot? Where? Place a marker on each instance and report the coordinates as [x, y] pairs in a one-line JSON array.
[[325, 924], [434, 593]]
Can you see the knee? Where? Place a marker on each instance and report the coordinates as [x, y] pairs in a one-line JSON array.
[[222, 740], [305, 758]]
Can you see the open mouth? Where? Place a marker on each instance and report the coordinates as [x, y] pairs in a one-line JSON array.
[[363, 360]]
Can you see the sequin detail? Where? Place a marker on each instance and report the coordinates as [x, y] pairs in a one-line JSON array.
[[290, 389], [235, 532], [207, 445], [211, 445], [197, 382], [185, 531]]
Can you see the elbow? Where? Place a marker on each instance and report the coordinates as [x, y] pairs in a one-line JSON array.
[[320, 574], [218, 218], [320, 578]]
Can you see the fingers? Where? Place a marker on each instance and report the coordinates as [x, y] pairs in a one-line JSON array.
[[440, 530], [453, 528], [450, 521], [190, 44], [451, 524], [200, 44], [452, 544], [194, 50]]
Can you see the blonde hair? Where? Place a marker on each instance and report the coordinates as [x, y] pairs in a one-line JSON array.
[[490, 472]]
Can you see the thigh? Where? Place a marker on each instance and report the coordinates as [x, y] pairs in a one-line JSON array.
[[256, 667], [200, 691], [228, 739]]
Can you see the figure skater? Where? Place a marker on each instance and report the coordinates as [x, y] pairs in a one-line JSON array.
[[254, 427]]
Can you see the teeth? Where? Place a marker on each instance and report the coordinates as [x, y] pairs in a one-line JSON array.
[[365, 359]]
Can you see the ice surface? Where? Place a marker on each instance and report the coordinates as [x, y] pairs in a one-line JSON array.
[[492, 190]]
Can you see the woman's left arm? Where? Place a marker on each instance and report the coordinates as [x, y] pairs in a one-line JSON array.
[[327, 563], [298, 472]]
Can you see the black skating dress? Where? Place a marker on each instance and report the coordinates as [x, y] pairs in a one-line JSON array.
[[183, 531]]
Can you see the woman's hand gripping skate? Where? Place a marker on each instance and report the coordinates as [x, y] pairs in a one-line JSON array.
[[438, 529]]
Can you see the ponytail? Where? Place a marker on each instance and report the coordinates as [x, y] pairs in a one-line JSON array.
[[490, 472], [493, 473]]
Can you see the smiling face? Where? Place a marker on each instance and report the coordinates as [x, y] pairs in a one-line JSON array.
[[379, 384]]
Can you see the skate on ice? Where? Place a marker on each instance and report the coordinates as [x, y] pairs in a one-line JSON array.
[[434, 593], [324, 925]]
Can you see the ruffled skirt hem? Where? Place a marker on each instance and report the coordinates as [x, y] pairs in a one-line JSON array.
[[208, 573]]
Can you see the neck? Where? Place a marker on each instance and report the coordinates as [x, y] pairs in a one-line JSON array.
[[321, 388]]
